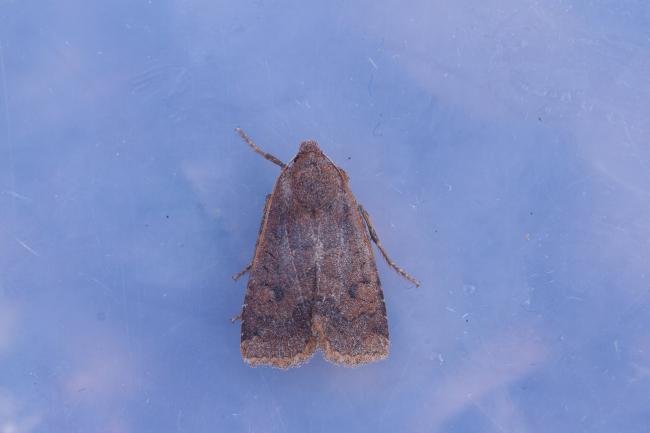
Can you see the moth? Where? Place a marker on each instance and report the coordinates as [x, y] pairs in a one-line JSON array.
[[313, 279]]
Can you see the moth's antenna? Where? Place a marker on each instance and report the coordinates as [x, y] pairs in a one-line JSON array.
[[268, 156]]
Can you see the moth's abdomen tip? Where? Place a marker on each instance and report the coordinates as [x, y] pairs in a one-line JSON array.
[[309, 146]]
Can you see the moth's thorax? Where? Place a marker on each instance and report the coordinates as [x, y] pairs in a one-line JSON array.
[[315, 180]]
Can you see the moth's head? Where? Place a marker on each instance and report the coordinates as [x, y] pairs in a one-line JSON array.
[[309, 155], [309, 146]]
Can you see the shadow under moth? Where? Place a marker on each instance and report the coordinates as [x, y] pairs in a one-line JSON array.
[[313, 279]]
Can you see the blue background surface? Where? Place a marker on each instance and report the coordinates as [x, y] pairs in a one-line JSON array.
[[500, 146]]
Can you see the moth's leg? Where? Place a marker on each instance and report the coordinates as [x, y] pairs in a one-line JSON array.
[[242, 272], [268, 156], [250, 265], [375, 238]]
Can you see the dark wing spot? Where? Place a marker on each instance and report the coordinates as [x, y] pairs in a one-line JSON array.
[[278, 293], [352, 291]]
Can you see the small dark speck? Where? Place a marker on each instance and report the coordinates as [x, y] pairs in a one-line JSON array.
[[167, 216], [531, 213], [376, 131], [539, 118], [349, 158]]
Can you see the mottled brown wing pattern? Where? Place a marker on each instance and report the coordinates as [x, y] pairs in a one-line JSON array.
[[349, 313], [313, 281], [276, 318]]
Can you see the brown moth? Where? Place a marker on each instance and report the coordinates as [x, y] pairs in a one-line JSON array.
[[313, 279]]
